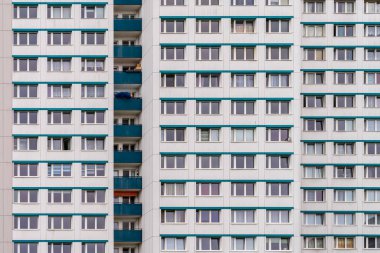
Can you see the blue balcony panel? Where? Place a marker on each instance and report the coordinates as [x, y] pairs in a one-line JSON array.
[[127, 183], [127, 77], [125, 104], [124, 51], [131, 236], [127, 2], [122, 209], [128, 24], [129, 131], [128, 157]]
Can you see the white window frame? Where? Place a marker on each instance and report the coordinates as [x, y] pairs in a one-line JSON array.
[[210, 53], [314, 78], [212, 106], [206, 80], [242, 135], [30, 36], [164, 24], [282, 163], [280, 56], [314, 198], [248, 162], [177, 216], [249, 216], [349, 219], [30, 169], [29, 66], [242, 80], [176, 160], [29, 220], [178, 188], [239, 26], [177, 107], [31, 117], [277, 216], [61, 224], [20, 90], [64, 196], [97, 13], [59, 91], [179, 80], [314, 219], [314, 54], [283, 25], [249, 107], [208, 134], [314, 31], [177, 246], [176, 134], [177, 56], [17, 196], [62, 118], [279, 241], [99, 64], [50, 40], [248, 53], [97, 170], [213, 162], [348, 196], [375, 172], [60, 170], [209, 30], [62, 11], [16, 11], [278, 80], [280, 190], [99, 144], [346, 240]]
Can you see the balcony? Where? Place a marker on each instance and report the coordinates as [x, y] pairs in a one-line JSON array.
[[127, 156], [127, 183], [121, 209], [132, 236], [129, 131], [124, 51], [127, 77], [131, 104], [128, 24], [127, 2]]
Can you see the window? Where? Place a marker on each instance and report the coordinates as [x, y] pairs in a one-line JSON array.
[[372, 125], [315, 125], [25, 117], [314, 242], [372, 30], [277, 134], [93, 222], [372, 195], [171, 243], [372, 219], [313, 78], [277, 162], [59, 222], [24, 11], [372, 172], [314, 219], [92, 11], [314, 30], [173, 26], [278, 80], [344, 148], [278, 53], [372, 101], [91, 65], [242, 134], [172, 189], [208, 243], [207, 216], [172, 107], [25, 222], [344, 30], [208, 135], [59, 196], [25, 170], [93, 144], [208, 189], [25, 196], [277, 244], [344, 195], [172, 134], [58, 247], [208, 80], [90, 247], [25, 91], [242, 53], [344, 242], [372, 148], [313, 101], [172, 53], [25, 144], [59, 91], [277, 26], [208, 53], [207, 162], [59, 38], [172, 2], [25, 247], [92, 117], [277, 216], [344, 101], [372, 54], [242, 189], [173, 216], [344, 77], [92, 38], [344, 172], [93, 196], [242, 2], [372, 7], [242, 243], [344, 6], [242, 107], [207, 26], [93, 170], [59, 12], [59, 170], [242, 80], [207, 107], [372, 78], [242, 26], [314, 54], [207, 2], [313, 172], [344, 125], [344, 54], [242, 162], [277, 2], [277, 189], [173, 162], [372, 242], [313, 148], [59, 117], [314, 195], [92, 91], [173, 80], [313, 6], [344, 219], [277, 107], [242, 216], [25, 65], [59, 144], [24, 38]]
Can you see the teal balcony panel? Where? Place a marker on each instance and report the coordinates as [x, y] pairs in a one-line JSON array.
[[124, 104], [127, 156], [131, 236], [127, 77], [124, 51], [127, 2], [128, 24], [122, 209], [127, 183], [132, 131]]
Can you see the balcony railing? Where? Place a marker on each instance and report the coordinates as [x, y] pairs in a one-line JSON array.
[[132, 131], [124, 51], [123, 209], [127, 183], [127, 77], [127, 2], [128, 24], [133, 236], [131, 104], [127, 156]]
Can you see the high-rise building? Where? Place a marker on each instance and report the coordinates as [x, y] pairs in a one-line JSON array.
[[146, 126]]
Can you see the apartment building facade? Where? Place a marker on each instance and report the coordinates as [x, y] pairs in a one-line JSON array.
[[190, 126]]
